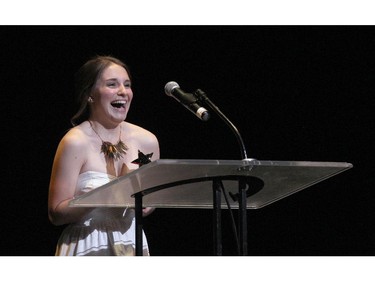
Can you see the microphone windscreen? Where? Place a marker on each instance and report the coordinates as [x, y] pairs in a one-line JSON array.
[[169, 87]]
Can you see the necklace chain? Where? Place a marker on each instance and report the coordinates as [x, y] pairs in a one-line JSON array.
[[111, 151]]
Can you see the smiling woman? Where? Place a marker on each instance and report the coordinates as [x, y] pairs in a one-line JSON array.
[[100, 147], [101, 73]]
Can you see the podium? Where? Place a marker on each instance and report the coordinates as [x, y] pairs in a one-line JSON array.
[[169, 183]]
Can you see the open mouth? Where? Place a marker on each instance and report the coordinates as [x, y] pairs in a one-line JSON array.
[[119, 104]]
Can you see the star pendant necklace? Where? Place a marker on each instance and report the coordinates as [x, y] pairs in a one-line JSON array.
[[111, 151]]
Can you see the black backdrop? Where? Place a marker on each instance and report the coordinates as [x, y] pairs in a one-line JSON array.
[[301, 93]]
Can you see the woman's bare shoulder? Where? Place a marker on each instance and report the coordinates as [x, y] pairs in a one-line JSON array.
[[135, 130], [74, 138], [143, 138]]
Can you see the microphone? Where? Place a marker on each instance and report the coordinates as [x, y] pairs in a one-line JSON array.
[[172, 89]]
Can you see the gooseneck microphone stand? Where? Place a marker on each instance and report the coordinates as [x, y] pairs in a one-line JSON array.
[[202, 97], [242, 206]]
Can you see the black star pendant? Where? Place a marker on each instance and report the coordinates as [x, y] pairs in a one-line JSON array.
[[142, 158]]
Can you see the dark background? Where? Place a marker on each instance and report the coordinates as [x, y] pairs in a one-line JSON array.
[[299, 93]]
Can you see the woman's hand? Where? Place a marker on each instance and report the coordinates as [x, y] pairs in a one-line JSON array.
[[147, 210]]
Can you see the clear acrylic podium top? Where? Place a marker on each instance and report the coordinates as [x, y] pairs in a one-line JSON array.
[[172, 183]]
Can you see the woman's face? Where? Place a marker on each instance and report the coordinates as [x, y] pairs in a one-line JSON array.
[[112, 94]]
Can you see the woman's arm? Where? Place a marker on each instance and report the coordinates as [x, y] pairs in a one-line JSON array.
[[69, 158]]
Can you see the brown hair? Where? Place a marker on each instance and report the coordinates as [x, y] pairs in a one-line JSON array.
[[85, 80]]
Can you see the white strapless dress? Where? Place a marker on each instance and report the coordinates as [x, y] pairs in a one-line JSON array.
[[104, 231]]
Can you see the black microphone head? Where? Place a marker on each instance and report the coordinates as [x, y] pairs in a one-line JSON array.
[[169, 87]]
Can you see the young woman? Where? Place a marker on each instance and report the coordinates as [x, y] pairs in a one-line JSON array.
[[97, 149]]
